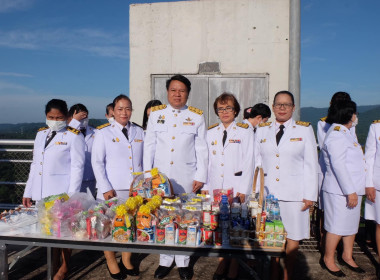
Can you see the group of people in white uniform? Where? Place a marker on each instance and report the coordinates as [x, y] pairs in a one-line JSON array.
[[70, 156]]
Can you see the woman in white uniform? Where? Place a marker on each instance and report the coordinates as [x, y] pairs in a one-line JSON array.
[[57, 167], [231, 158], [287, 151], [116, 153], [372, 156], [343, 186]]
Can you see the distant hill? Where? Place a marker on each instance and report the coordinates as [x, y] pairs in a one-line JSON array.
[[29, 130], [367, 114]]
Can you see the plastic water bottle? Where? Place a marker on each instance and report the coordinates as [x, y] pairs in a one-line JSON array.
[[276, 210], [270, 208], [224, 218]]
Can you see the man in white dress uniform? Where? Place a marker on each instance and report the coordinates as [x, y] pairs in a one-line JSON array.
[[175, 143]]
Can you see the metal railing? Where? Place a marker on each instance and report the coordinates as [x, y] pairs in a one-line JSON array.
[[15, 159]]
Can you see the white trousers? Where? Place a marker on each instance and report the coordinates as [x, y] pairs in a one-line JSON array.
[[180, 260]]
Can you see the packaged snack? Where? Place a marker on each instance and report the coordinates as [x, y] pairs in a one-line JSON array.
[[170, 234], [123, 229], [193, 236], [160, 235]]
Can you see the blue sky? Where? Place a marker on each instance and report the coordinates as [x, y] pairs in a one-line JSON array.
[[78, 51]]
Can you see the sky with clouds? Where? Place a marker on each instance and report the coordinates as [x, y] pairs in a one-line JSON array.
[[78, 51]]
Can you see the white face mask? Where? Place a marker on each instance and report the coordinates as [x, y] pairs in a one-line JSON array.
[[355, 122], [84, 123], [56, 125], [111, 119]]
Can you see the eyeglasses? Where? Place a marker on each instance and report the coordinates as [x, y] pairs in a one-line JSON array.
[[285, 105], [227, 109]]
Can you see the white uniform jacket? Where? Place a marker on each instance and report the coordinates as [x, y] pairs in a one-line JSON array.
[[345, 163], [88, 174], [58, 168], [372, 156], [114, 157], [175, 143], [231, 165], [291, 168], [322, 129]]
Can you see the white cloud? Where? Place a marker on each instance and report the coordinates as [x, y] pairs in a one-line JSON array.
[[92, 41], [7, 88], [14, 5], [12, 74]]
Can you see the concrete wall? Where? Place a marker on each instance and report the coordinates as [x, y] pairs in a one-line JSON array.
[[244, 36]]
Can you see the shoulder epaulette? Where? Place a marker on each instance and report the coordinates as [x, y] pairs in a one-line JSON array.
[[43, 128], [73, 130], [265, 124], [158, 107], [103, 126], [196, 110], [302, 123], [376, 121], [243, 125], [337, 128], [212, 126], [323, 119], [137, 125]]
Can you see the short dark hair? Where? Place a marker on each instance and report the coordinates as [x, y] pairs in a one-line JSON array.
[[181, 79], [120, 97], [108, 108], [58, 104], [341, 112], [260, 109], [223, 99], [147, 106], [78, 108], [340, 96], [284, 92], [246, 112]]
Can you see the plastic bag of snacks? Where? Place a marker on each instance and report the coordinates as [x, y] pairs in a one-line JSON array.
[[157, 184], [146, 221], [51, 223], [123, 225]]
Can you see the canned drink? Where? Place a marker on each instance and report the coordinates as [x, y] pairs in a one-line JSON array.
[[214, 221], [160, 236], [218, 237], [182, 236], [206, 218], [208, 236]]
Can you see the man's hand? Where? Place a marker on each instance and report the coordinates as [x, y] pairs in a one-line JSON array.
[[241, 197], [27, 202], [352, 200], [308, 204], [197, 186], [79, 115], [204, 192], [110, 194], [371, 194]]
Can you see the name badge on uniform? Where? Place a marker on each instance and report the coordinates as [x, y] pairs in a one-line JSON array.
[[214, 152], [138, 140], [188, 123], [295, 139], [61, 143], [238, 141], [263, 140]]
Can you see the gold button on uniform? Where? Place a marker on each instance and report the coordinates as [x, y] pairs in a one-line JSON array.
[[277, 179], [40, 173], [172, 150], [174, 125], [175, 115], [130, 168], [221, 175], [171, 162], [41, 163], [130, 157], [277, 167], [222, 164], [173, 137], [277, 155], [129, 147]]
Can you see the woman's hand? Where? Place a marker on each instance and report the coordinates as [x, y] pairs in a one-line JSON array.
[[110, 194], [352, 200], [79, 115], [27, 202], [371, 194]]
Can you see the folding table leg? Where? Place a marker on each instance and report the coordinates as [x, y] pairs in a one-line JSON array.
[[3, 261], [48, 263]]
